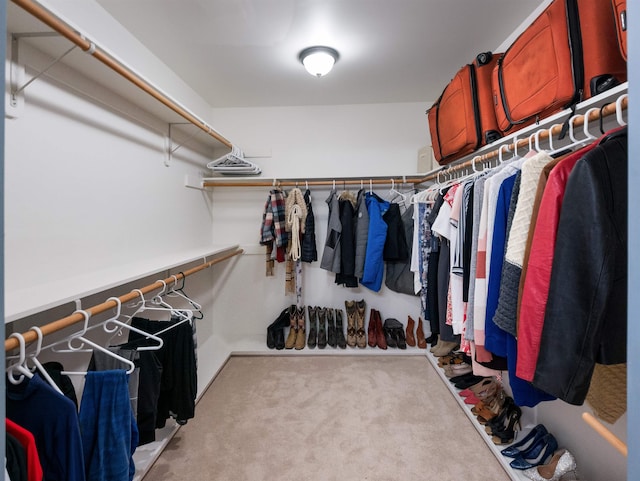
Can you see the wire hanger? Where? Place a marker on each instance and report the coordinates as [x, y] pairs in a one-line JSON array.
[[179, 292]]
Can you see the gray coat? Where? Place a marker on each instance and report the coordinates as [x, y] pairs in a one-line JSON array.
[[331, 254], [362, 233]]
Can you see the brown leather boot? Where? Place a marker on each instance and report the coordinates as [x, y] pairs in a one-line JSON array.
[[381, 341], [422, 342], [361, 337], [411, 324], [350, 306], [301, 335], [293, 328], [372, 330]]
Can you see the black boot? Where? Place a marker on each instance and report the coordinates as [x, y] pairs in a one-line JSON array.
[[275, 331], [331, 329], [322, 329], [313, 327], [342, 342]]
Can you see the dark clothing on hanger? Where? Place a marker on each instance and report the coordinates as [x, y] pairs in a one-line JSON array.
[[308, 248], [432, 272], [586, 315], [346, 276], [466, 246], [178, 385], [54, 369], [16, 458], [395, 246], [53, 421], [399, 277]]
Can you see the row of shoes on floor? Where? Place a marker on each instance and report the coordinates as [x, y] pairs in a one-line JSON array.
[[327, 328], [537, 454]]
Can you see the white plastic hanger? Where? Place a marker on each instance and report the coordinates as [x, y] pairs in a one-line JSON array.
[[619, 118], [184, 314], [38, 365], [16, 372], [119, 325], [83, 340], [234, 163]]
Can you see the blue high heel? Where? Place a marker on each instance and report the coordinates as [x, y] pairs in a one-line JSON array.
[[536, 454], [525, 443]]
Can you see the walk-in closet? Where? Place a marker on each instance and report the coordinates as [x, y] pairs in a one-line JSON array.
[[222, 260]]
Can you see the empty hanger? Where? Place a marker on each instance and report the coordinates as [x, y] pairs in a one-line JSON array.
[[38, 365], [83, 340], [119, 326], [17, 371]]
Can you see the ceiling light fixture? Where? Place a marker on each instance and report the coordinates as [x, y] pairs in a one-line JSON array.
[[318, 60]]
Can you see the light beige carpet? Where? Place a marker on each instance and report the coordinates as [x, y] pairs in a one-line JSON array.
[[327, 418]]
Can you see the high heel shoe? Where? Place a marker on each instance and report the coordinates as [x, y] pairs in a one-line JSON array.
[[497, 423], [491, 410], [525, 443], [561, 463], [508, 433], [537, 454]]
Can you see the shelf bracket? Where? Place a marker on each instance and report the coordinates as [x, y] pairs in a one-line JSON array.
[[170, 148], [17, 69]]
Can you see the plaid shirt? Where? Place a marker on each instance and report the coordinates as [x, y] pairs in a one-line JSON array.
[[273, 220]]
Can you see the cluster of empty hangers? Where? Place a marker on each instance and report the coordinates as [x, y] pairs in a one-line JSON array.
[[26, 363]]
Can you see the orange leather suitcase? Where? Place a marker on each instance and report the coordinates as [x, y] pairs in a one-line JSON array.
[[463, 118], [620, 13], [568, 54]]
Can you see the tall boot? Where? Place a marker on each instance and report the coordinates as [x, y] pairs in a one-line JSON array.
[[381, 340], [322, 329], [350, 306], [312, 340], [301, 336], [361, 337], [411, 324], [372, 330], [342, 342], [422, 342], [331, 328], [293, 329], [275, 336]]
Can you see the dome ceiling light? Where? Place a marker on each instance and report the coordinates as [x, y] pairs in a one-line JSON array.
[[318, 60]]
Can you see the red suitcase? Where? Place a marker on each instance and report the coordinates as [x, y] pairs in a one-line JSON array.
[[463, 118], [568, 54], [620, 13]]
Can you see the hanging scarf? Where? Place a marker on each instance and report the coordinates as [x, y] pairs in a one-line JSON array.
[[273, 229]]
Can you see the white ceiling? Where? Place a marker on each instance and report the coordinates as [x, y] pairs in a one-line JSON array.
[[244, 53]]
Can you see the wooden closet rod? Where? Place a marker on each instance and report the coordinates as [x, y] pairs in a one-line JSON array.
[[65, 322], [607, 110], [409, 179], [91, 48], [605, 433]]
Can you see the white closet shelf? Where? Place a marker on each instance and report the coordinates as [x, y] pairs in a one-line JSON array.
[[40, 297], [514, 474]]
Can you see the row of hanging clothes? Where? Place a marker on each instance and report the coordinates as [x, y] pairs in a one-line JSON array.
[[369, 239], [525, 266], [143, 374]]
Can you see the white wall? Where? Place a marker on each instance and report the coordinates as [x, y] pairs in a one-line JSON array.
[[307, 142]]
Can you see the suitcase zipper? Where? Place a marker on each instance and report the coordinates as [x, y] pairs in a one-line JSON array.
[[575, 47], [476, 105], [503, 99]]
